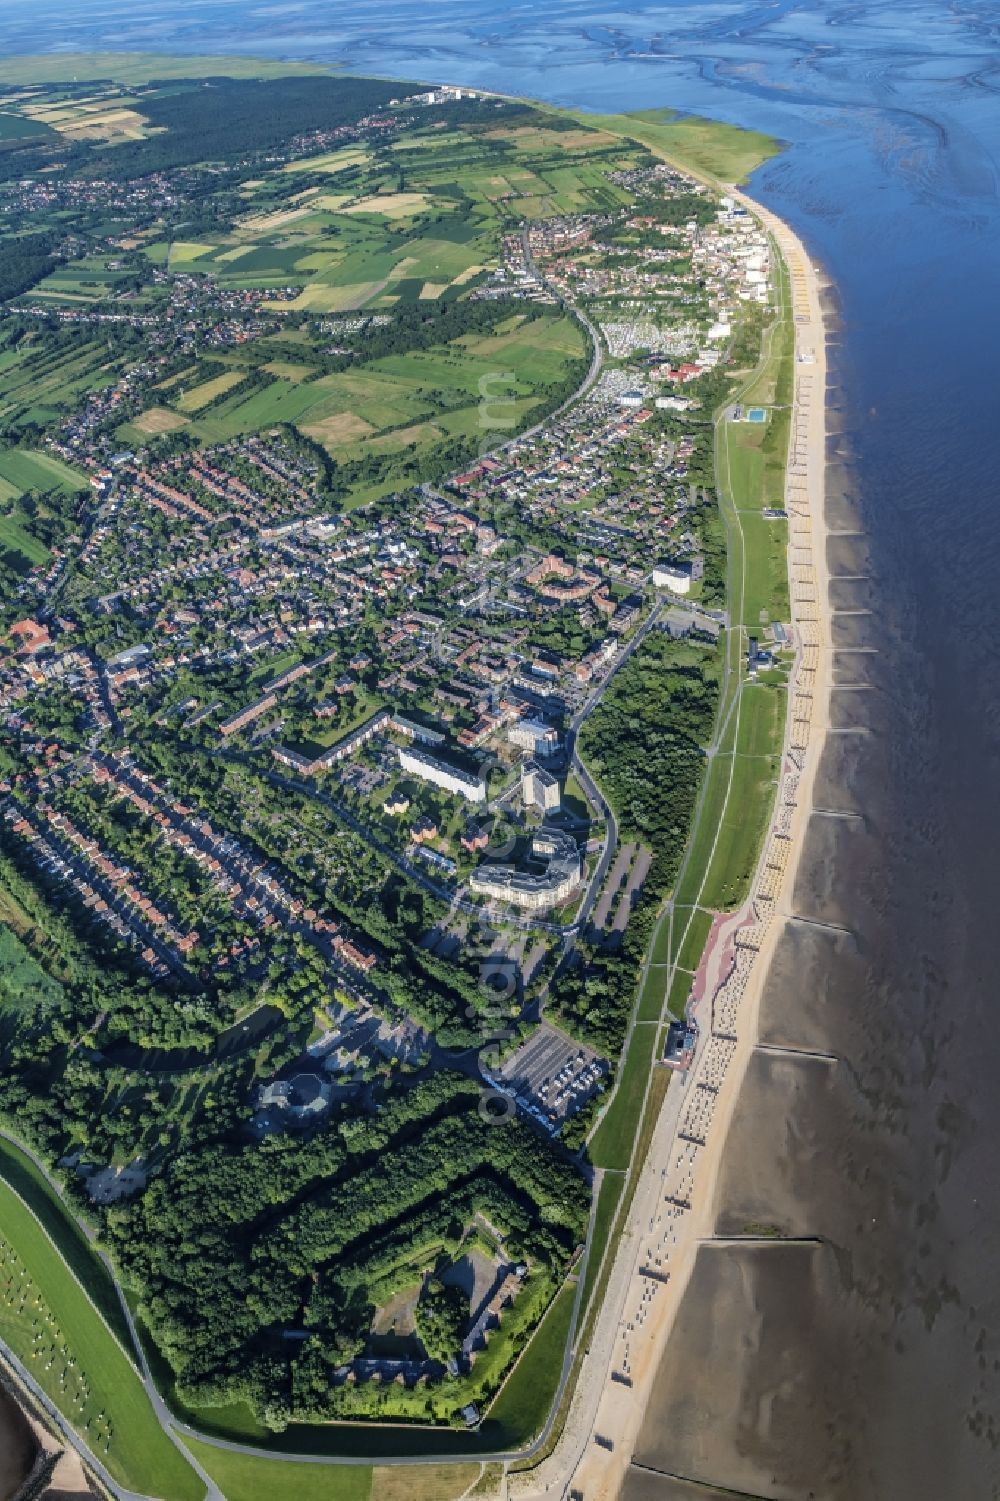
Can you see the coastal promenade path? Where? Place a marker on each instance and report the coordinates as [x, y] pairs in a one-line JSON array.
[[673, 1210]]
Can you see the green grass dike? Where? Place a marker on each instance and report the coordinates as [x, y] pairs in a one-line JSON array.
[[708, 148], [49, 1321], [250, 1477], [522, 1404]]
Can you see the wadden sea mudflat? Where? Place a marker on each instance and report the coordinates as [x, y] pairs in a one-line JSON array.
[[799, 1354], [730, 1404]]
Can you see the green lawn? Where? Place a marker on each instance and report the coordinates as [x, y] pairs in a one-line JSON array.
[[245, 1477], [742, 831], [607, 1205], [16, 539], [103, 1385], [651, 999], [680, 989], [661, 945], [766, 545], [690, 935], [746, 464], [611, 1144], [29, 470], [762, 720], [715, 795], [523, 1403]]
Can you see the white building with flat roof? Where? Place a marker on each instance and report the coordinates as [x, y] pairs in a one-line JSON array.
[[673, 576], [420, 763]]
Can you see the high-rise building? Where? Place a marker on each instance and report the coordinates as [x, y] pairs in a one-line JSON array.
[[539, 788]]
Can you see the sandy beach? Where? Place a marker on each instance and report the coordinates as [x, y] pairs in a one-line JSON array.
[[630, 1379]]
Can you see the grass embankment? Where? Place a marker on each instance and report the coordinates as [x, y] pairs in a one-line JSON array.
[[607, 1206], [52, 1326], [24, 1178], [652, 993], [742, 778], [613, 1209], [689, 934], [522, 1404], [709, 148], [735, 804], [246, 1477], [612, 1142]]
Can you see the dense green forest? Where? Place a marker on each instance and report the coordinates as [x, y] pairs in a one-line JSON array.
[[202, 120], [24, 260], [234, 1243], [645, 742], [442, 1315]]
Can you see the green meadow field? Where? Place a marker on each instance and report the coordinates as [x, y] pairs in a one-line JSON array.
[[29, 470]]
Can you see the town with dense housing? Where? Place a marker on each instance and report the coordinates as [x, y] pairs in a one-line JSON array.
[[364, 627]]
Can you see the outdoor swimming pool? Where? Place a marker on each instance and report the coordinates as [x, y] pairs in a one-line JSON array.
[[757, 414]]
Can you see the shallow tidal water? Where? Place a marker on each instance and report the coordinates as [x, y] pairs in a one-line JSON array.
[[862, 1363]]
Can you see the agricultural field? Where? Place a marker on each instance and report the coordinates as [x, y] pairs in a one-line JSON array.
[[40, 378], [16, 540], [415, 224], [20, 128], [28, 470], [402, 408], [103, 115], [156, 420]]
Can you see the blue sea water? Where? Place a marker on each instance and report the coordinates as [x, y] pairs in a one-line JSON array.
[[890, 113]]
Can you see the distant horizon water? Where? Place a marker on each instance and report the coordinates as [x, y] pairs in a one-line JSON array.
[[886, 1350]]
